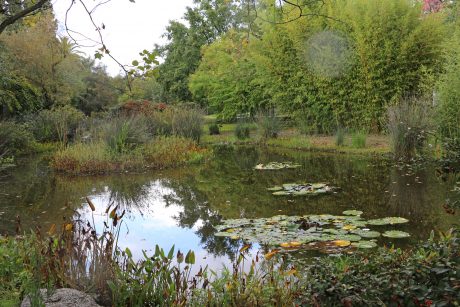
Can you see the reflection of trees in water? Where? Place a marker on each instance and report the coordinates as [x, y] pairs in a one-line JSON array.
[[130, 193], [418, 197], [196, 212], [408, 195]]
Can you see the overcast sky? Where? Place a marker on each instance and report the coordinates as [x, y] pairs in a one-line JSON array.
[[130, 27]]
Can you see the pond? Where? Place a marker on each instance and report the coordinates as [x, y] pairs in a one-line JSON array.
[[182, 206]]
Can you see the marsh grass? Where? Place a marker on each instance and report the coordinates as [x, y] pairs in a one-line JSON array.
[[268, 125], [166, 152], [124, 134], [300, 142], [340, 137], [358, 139], [409, 124], [99, 158], [242, 130], [94, 158]]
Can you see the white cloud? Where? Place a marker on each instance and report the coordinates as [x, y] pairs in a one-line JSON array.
[[129, 27]]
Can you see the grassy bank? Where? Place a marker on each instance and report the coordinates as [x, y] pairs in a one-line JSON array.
[[99, 158], [427, 275], [291, 138]]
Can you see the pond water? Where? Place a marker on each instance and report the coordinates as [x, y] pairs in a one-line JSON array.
[[182, 206]]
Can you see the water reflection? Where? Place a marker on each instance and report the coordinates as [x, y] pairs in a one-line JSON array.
[[182, 206]]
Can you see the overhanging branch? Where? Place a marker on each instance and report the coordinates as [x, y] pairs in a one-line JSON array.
[[21, 14]]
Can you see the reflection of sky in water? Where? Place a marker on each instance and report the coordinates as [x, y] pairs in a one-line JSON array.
[[156, 225]]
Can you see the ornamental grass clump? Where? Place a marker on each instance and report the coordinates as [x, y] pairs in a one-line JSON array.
[[242, 131], [409, 125], [340, 137], [358, 139], [268, 125]]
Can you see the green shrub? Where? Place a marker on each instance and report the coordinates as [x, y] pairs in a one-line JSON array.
[[59, 124], [242, 131], [214, 129], [15, 139], [269, 126], [358, 140], [409, 124], [427, 275], [340, 137]]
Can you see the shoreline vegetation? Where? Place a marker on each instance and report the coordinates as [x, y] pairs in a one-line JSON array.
[[73, 255], [291, 138], [96, 158]]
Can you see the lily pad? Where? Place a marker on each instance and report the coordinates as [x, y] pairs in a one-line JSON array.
[[301, 189], [307, 231], [281, 193], [342, 243], [351, 237], [352, 212], [276, 166], [366, 233], [395, 234], [364, 244], [388, 221]]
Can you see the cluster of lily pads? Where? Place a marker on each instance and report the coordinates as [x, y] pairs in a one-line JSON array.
[[320, 231], [276, 166], [301, 189]]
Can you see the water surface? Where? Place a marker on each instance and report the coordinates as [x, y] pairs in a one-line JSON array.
[[180, 206]]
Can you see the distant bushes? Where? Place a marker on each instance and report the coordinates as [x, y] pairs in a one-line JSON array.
[[184, 122], [268, 125], [214, 129], [15, 139], [242, 131], [153, 139], [56, 125]]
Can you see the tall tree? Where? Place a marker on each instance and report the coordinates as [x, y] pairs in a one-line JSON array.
[[207, 20]]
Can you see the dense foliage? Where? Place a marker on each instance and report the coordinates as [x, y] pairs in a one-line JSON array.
[[344, 70]]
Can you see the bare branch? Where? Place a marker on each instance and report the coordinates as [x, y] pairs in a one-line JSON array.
[[103, 47]]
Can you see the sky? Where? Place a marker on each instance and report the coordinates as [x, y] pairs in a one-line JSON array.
[[129, 27]]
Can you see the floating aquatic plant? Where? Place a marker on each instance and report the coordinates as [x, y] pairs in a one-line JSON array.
[[308, 231], [364, 244], [352, 212], [388, 221], [395, 234], [301, 189], [276, 166]]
